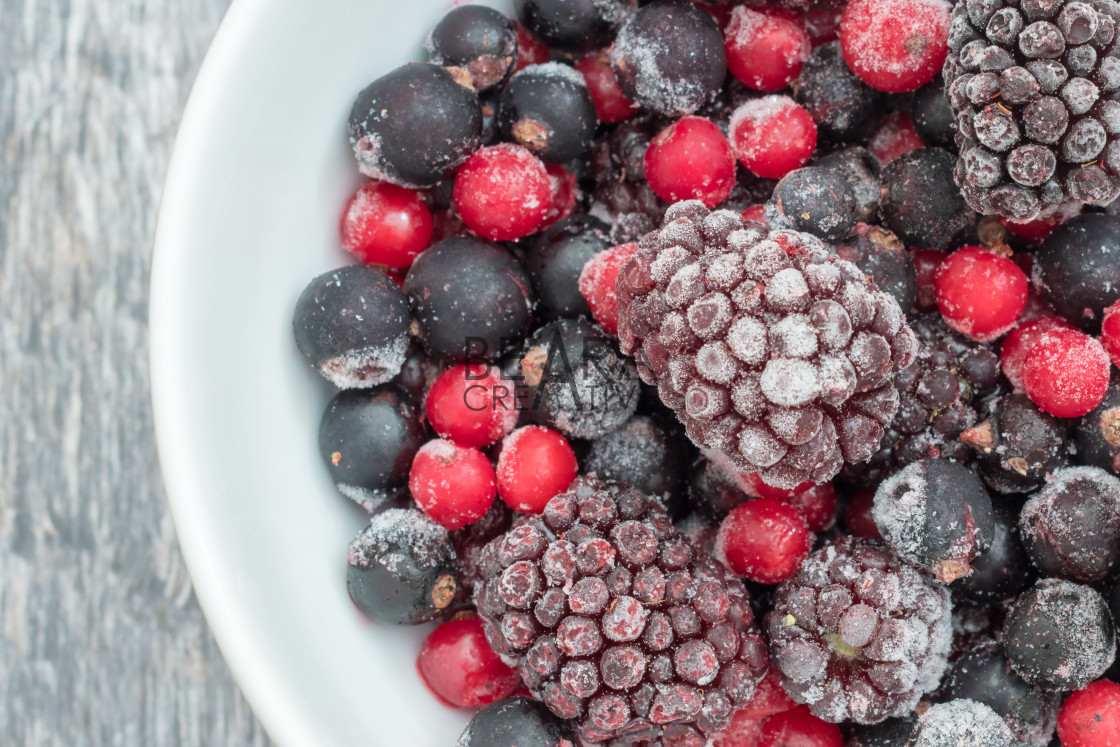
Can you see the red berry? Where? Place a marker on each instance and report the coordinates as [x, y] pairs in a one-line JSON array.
[[535, 464], [384, 224], [765, 50], [471, 406], [798, 727], [564, 190], [895, 45], [857, 514], [980, 293], [452, 484], [690, 160], [755, 213], [1091, 717], [1110, 332], [817, 503], [746, 723], [926, 262], [459, 666], [764, 540], [1038, 229], [530, 49], [597, 284], [1066, 373], [1013, 351], [502, 192], [896, 135], [610, 103], [772, 136]]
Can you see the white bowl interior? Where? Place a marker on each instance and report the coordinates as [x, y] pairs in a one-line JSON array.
[[250, 215]]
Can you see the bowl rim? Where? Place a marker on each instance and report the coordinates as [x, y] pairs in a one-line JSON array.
[[253, 671]]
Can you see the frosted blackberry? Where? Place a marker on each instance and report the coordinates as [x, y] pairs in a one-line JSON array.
[[858, 634], [617, 622], [1030, 87], [1018, 445], [1059, 635], [772, 351], [936, 514], [960, 722]]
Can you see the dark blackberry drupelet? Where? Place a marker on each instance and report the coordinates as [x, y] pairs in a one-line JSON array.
[[1018, 445], [880, 254], [919, 201], [617, 622], [771, 350], [548, 109], [840, 103], [555, 259], [939, 394], [469, 542], [858, 634], [1097, 435], [516, 721], [1031, 89], [476, 40]]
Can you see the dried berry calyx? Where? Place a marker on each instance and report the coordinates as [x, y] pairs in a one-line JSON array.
[[773, 352]]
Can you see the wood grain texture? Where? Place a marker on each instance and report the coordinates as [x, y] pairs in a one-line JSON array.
[[101, 640]]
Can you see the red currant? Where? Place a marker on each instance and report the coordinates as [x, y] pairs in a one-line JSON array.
[[502, 192], [471, 406], [530, 49], [597, 284], [535, 464], [1091, 717], [895, 45], [798, 727], [1038, 229], [896, 135], [564, 189], [764, 540], [1014, 349], [690, 160], [756, 213], [746, 723], [1066, 373], [610, 103], [387, 225], [817, 503], [765, 50], [452, 484], [772, 136], [1110, 332], [458, 665], [980, 293]]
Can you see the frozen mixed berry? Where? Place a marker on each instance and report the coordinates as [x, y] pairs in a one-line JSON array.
[[621, 194], [920, 202], [936, 514], [471, 405], [597, 284], [839, 102], [769, 348], [555, 260], [895, 45], [535, 464], [769, 699], [502, 192], [1018, 445], [1090, 717], [611, 104], [617, 622], [960, 722], [984, 676], [1071, 528], [452, 484], [931, 115], [476, 40], [578, 382], [764, 540], [1029, 89], [980, 293], [647, 454], [1059, 635], [1097, 435], [815, 200], [926, 262], [352, 326], [1014, 348], [548, 109], [765, 49], [517, 721], [530, 49], [773, 135], [470, 299], [414, 126], [1051, 216], [401, 568], [669, 58], [387, 225], [858, 634], [895, 136], [861, 170], [715, 488], [1076, 270], [798, 726], [690, 160], [1110, 332], [881, 255], [367, 438], [459, 666], [565, 193], [1066, 373], [573, 25]]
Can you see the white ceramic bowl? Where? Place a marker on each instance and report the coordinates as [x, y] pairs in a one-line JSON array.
[[250, 215]]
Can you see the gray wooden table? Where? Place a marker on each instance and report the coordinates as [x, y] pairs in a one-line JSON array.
[[101, 640]]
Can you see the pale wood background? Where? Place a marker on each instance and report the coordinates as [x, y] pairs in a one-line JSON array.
[[101, 640]]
